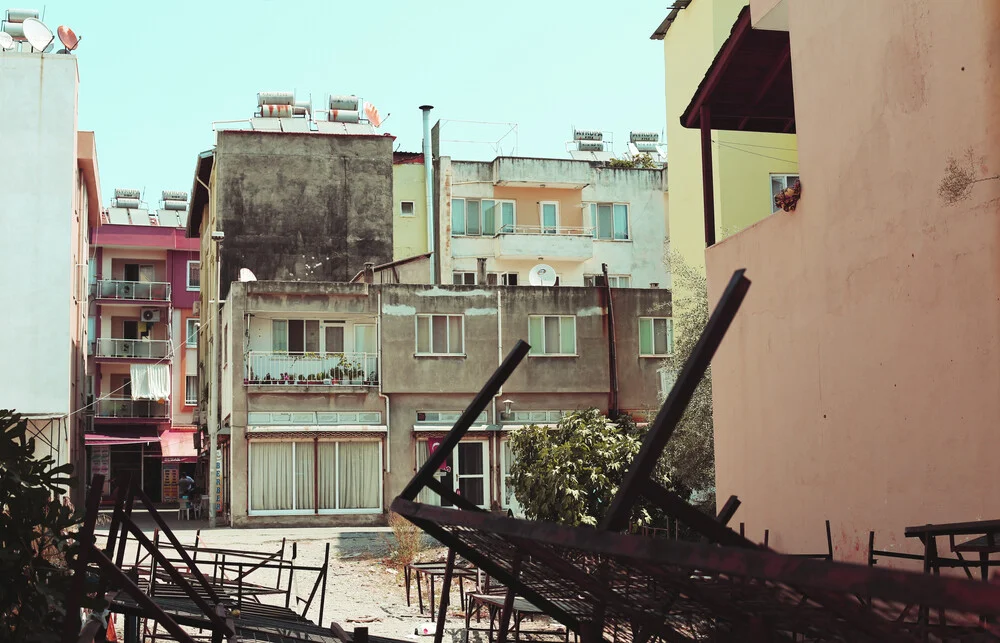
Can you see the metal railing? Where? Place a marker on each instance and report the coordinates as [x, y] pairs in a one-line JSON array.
[[131, 290], [123, 407], [536, 229], [132, 348], [331, 369]]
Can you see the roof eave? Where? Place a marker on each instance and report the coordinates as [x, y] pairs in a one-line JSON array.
[[199, 193]]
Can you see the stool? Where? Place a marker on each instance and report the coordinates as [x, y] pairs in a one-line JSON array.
[[184, 509]]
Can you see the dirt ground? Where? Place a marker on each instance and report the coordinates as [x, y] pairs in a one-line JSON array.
[[364, 588]]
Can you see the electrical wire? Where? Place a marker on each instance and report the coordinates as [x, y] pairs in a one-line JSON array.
[[774, 158], [766, 147]]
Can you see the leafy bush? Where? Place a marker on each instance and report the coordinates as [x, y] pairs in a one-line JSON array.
[[36, 542]]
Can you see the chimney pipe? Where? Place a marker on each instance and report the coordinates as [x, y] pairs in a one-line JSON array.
[[369, 272], [429, 186], [481, 271]]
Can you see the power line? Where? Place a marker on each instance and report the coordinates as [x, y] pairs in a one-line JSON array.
[[766, 147], [775, 158]]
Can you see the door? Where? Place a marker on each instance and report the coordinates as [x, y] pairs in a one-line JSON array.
[[333, 339], [364, 344], [147, 274], [131, 272], [550, 218], [470, 472]]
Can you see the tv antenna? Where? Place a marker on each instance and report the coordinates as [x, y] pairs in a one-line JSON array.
[[37, 34], [542, 275], [69, 39]]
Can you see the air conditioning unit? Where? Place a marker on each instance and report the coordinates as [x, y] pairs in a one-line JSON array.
[[150, 315]]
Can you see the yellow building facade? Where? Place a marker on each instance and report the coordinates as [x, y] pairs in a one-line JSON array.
[[745, 164], [409, 202]]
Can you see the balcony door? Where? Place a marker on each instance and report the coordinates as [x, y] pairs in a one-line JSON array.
[[550, 217], [333, 338]]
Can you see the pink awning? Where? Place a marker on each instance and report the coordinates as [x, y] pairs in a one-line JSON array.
[[178, 446], [132, 436]]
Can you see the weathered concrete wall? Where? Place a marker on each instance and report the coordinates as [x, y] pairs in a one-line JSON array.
[[859, 381], [306, 207]]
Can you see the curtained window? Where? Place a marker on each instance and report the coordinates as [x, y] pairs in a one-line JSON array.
[[289, 477]]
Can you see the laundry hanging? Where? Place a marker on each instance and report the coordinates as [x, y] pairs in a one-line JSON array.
[[150, 382]]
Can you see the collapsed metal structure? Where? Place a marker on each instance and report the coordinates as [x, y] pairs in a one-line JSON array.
[[605, 584]]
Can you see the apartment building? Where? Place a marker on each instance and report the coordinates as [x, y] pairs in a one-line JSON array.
[[570, 215], [332, 394], [144, 284], [49, 197]]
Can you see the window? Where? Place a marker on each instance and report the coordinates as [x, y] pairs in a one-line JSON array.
[[463, 278], [501, 279], [406, 208], [295, 336], [139, 272], [778, 183], [473, 217], [191, 390], [609, 220], [549, 216], [507, 499], [440, 335], [616, 281], [446, 416], [465, 472], [656, 336], [283, 478], [225, 345], [194, 275], [552, 334], [191, 332]]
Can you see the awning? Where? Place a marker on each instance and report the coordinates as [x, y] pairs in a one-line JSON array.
[[150, 382], [178, 446], [143, 435]]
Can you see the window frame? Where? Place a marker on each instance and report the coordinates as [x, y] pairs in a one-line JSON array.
[[592, 207], [618, 278], [188, 335], [316, 511], [541, 217], [456, 469], [196, 288], [475, 277], [670, 336], [188, 401], [502, 278], [413, 209], [498, 224], [785, 183], [430, 336], [543, 353]]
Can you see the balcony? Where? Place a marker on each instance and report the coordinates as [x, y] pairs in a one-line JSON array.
[[132, 348], [267, 368], [127, 408], [532, 242], [131, 291]]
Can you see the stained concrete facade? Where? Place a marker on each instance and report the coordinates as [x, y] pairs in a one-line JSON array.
[[404, 397]]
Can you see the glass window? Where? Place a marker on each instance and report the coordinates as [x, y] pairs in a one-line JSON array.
[[609, 220], [552, 334], [550, 217], [193, 275], [507, 215], [621, 221], [489, 221], [457, 217], [463, 278], [279, 336], [604, 222], [359, 467], [440, 335], [472, 218], [778, 183], [190, 390], [406, 208], [656, 336], [191, 332]]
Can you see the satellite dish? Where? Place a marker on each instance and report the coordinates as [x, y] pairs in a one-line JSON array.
[[68, 38], [6, 41], [246, 275], [542, 275], [37, 34]]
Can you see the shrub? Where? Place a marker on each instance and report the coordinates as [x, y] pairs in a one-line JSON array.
[[409, 540]]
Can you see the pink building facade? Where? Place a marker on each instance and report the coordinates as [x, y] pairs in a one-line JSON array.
[[144, 283], [860, 380]]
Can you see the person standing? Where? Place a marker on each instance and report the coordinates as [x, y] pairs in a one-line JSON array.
[[184, 485]]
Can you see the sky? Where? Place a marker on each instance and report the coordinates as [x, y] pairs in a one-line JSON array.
[[154, 76]]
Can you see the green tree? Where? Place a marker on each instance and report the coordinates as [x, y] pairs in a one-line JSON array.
[[36, 543], [690, 454]]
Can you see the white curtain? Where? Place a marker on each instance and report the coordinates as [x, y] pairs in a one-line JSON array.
[[327, 475], [305, 478], [271, 476], [359, 470], [150, 381], [426, 496]]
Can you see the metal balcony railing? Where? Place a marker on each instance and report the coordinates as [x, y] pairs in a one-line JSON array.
[[131, 290], [132, 348], [331, 369], [535, 229], [123, 407]]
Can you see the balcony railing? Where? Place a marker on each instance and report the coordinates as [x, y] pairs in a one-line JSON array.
[[123, 407], [331, 369], [131, 290], [536, 229], [133, 348]]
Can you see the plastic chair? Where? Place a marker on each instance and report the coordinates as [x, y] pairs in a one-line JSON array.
[[184, 509]]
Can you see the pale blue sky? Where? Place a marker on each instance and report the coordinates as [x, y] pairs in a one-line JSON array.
[[155, 75]]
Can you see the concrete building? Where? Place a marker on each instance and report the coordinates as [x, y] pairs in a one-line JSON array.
[[409, 206], [332, 394], [572, 215], [49, 196], [748, 167], [859, 381], [144, 281]]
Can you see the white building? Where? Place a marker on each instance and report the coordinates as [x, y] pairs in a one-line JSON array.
[[49, 196]]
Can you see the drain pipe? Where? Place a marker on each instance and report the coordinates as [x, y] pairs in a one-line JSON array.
[[429, 186], [381, 392], [612, 349]]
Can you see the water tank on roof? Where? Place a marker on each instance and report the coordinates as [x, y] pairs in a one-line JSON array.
[[174, 195], [275, 98], [646, 146], [15, 29], [587, 135], [590, 146], [175, 205], [301, 108], [344, 115], [122, 202], [20, 15], [126, 193], [651, 137], [275, 111], [347, 103]]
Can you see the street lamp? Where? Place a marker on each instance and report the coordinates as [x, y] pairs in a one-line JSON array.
[[214, 416]]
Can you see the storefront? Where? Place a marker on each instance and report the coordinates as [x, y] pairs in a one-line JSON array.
[[154, 458], [180, 458]]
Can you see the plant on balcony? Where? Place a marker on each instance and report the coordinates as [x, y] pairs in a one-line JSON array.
[[372, 379]]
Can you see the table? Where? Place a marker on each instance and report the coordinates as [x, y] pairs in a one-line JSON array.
[[461, 573]]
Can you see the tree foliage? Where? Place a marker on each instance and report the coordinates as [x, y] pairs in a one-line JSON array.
[[36, 543]]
